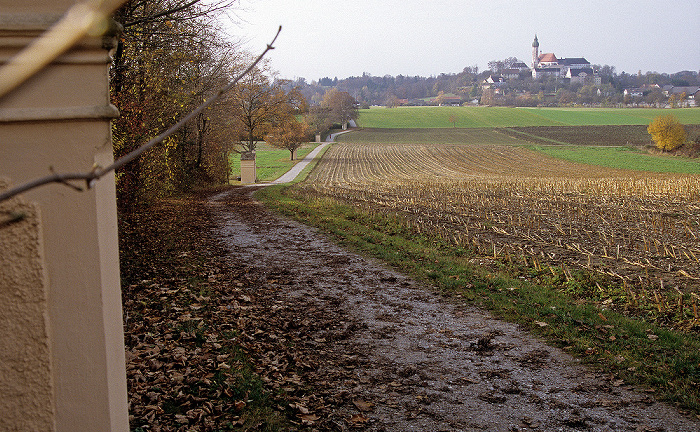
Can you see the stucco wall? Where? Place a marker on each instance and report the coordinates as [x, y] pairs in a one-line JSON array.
[[26, 385]]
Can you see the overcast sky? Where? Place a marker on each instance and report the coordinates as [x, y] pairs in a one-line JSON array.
[[427, 37]]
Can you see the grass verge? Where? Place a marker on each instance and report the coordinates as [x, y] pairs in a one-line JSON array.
[[635, 351]]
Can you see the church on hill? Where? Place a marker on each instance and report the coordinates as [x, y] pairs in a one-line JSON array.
[[577, 69]]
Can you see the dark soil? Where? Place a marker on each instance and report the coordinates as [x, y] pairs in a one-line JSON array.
[[604, 135], [634, 135], [353, 345]]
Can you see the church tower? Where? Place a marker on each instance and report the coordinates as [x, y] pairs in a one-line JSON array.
[[535, 53]]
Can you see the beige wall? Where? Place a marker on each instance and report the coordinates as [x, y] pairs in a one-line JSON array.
[[61, 282], [25, 358]]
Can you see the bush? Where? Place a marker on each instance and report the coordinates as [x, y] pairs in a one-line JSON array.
[[667, 132]]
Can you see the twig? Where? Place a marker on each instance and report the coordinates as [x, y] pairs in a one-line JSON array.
[[91, 177], [162, 14]]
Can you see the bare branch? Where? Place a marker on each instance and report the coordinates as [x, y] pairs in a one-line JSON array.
[[91, 177], [162, 14]]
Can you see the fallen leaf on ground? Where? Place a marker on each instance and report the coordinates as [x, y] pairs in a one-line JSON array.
[[358, 418], [309, 418], [363, 406]]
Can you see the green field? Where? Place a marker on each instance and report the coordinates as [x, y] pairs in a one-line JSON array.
[[271, 163], [614, 138], [429, 136], [475, 117], [622, 158]]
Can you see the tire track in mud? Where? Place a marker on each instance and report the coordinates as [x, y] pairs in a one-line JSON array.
[[406, 359]]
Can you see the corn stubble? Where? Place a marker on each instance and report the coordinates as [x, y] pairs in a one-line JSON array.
[[638, 230]]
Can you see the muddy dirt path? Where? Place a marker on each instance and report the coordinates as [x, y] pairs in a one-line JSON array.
[[375, 350]]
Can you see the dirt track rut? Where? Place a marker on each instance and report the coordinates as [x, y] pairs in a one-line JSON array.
[[394, 356]]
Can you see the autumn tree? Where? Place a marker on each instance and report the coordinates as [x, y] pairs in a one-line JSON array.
[[318, 119], [290, 134], [440, 99], [453, 119], [341, 107], [488, 97], [667, 132], [259, 105], [677, 99], [655, 97], [169, 58], [392, 101]]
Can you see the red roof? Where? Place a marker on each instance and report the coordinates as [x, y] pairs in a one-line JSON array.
[[548, 58]]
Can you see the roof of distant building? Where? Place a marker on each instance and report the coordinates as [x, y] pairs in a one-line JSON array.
[[573, 61], [685, 89], [494, 79], [548, 58], [580, 72]]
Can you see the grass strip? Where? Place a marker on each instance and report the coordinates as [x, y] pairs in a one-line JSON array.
[[305, 172], [632, 350]]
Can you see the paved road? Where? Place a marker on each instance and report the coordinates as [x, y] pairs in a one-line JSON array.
[[299, 167]]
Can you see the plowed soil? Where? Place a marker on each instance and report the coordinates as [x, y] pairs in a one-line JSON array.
[[357, 346]]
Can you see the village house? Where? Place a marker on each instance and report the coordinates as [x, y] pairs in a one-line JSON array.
[[634, 92], [641, 91], [583, 76], [450, 100], [493, 82], [513, 72], [690, 93]]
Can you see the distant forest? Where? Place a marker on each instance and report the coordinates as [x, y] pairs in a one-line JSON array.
[[468, 87]]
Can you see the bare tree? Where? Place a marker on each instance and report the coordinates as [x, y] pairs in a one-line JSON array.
[[341, 107]]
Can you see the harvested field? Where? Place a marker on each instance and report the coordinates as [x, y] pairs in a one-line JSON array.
[[638, 230]]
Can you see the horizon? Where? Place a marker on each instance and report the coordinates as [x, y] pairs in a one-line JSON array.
[[329, 38], [480, 72]]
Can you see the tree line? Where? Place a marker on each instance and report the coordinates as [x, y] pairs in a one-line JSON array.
[[171, 57], [522, 91]]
